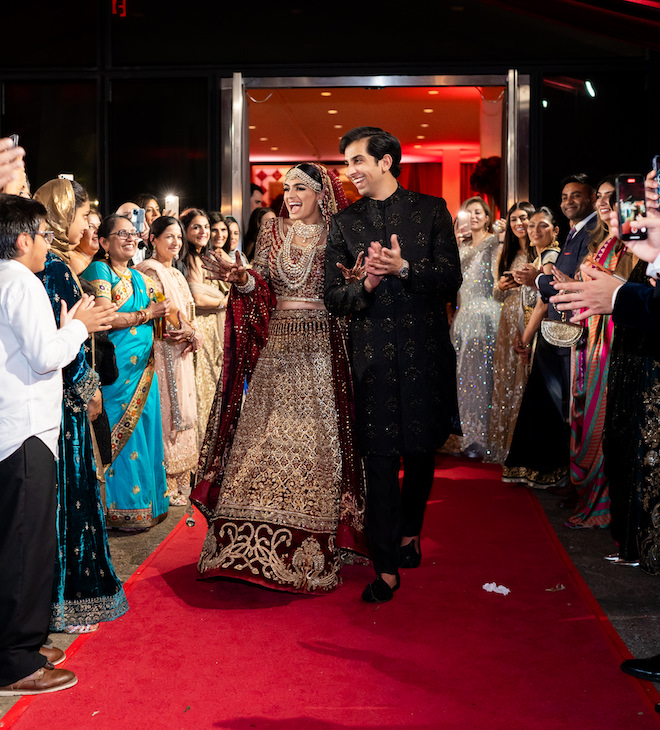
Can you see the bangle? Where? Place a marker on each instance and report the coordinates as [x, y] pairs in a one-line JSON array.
[[144, 314], [191, 337], [247, 287]]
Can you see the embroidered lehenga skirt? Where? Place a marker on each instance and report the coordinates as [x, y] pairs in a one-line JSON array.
[[278, 511]]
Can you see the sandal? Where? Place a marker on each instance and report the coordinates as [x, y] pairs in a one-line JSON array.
[[180, 500], [82, 629]]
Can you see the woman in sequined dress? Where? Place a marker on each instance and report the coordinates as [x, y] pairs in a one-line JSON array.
[[509, 370], [280, 482], [174, 359], [474, 328], [86, 589]]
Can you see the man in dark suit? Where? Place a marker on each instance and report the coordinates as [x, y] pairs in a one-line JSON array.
[[404, 366]]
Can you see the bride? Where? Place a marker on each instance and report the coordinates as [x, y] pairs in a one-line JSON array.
[[279, 480]]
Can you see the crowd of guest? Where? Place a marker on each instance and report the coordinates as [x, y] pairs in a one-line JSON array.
[[542, 393], [549, 398]]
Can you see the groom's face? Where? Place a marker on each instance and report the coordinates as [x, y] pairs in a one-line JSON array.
[[363, 170]]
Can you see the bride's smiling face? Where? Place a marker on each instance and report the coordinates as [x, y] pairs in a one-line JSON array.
[[301, 201]]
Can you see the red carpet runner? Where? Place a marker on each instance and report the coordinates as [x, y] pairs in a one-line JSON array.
[[443, 654]]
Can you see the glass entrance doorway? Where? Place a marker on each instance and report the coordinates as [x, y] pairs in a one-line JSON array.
[[450, 127]]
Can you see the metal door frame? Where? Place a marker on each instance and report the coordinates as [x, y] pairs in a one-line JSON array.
[[234, 147]]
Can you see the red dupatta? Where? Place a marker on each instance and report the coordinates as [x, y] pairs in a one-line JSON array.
[[246, 332]]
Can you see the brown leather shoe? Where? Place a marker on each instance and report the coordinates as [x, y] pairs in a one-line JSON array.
[[54, 655], [40, 682]]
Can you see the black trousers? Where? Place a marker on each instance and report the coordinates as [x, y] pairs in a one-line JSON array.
[[28, 502], [394, 512]]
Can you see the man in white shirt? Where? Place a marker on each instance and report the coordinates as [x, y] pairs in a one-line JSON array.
[[32, 354]]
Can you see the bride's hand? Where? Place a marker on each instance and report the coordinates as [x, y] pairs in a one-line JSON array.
[[218, 264], [357, 273]]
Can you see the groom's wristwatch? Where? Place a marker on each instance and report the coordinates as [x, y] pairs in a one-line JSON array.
[[404, 270]]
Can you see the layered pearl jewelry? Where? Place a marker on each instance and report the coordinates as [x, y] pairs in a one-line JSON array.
[[295, 274]]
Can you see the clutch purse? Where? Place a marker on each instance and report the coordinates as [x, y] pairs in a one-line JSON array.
[[561, 333]]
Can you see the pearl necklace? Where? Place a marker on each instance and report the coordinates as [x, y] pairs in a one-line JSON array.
[[295, 274]]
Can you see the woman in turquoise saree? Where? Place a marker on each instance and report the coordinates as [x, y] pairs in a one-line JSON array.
[[135, 486]]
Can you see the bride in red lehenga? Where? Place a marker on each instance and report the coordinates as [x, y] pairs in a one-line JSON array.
[[279, 480]]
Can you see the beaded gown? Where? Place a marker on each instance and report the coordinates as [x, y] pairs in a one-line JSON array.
[[208, 359], [285, 504], [509, 371], [473, 335]]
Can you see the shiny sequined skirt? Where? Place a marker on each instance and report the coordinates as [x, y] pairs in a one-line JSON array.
[[277, 517]]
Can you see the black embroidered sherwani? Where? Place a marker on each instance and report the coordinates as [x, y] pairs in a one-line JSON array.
[[404, 365]]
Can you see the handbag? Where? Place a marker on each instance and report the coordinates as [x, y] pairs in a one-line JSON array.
[[561, 333]]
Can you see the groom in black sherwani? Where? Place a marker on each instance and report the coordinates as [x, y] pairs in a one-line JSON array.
[[404, 365]]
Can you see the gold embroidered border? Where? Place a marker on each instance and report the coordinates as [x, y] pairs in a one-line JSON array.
[[125, 426], [122, 291], [299, 520]]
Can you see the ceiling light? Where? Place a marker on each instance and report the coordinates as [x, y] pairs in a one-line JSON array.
[[339, 126], [332, 111], [544, 103], [326, 93], [590, 89], [424, 125], [252, 126], [433, 92], [417, 146], [263, 139], [429, 111], [421, 136], [274, 149]]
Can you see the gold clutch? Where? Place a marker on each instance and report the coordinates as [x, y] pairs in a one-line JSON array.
[[561, 333]]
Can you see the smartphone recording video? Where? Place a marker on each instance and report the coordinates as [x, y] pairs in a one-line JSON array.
[[630, 199], [137, 219]]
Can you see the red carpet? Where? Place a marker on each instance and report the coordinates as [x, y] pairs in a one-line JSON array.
[[443, 654]]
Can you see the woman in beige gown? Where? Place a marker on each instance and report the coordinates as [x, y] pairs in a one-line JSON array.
[[509, 370], [210, 306]]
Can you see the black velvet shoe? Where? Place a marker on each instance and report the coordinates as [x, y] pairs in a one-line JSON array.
[[379, 592], [648, 669], [409, 557]]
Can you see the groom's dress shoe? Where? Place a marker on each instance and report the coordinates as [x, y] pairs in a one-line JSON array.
[[379, 592], [409, 557], [643, 668]]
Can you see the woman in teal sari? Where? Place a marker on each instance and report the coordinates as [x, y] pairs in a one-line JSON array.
[[135, 486]]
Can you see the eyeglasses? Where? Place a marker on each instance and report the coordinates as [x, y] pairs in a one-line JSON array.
[[48, 236], [125, 235]]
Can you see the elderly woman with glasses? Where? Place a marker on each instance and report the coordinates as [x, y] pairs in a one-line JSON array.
[[135, 485]]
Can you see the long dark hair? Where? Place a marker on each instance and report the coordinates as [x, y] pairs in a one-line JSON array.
[[254, 224], [601, 230], [511, 244], [230, 219], [158, 226], [188, 251]]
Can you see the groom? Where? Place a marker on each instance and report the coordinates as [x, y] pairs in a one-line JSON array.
[[404, 366]]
